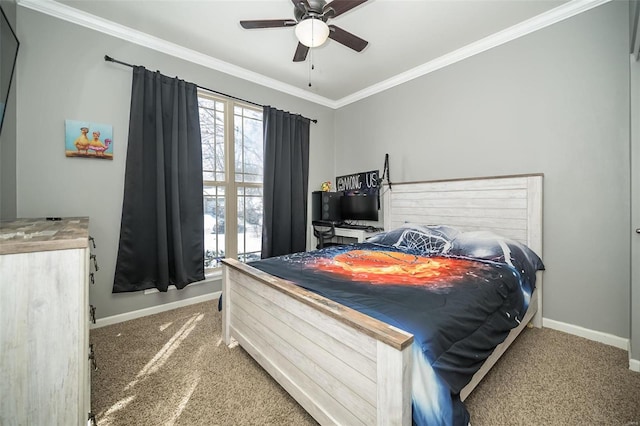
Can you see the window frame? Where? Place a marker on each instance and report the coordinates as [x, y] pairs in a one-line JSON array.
[[230, 184]]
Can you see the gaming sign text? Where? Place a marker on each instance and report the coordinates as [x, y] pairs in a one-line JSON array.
[[362, 182]]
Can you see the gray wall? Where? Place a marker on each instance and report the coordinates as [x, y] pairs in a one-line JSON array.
[[635, 223], [8, 137], [62, 75], [555, 101]]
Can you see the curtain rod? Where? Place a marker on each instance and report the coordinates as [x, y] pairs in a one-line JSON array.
[[110, 59]]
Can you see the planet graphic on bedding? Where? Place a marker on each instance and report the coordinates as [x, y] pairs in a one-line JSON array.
[[397, 268]]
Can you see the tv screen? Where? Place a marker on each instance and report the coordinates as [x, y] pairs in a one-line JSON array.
[[359, 207]]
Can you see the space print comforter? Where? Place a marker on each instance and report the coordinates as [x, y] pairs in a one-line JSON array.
[[459, 294]]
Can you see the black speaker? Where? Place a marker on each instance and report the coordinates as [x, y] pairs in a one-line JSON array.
[[325, 206]]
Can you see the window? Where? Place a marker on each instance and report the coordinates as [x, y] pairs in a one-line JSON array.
[[232, 176]]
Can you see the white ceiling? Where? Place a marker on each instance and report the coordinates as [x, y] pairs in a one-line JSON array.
[[406, 38]]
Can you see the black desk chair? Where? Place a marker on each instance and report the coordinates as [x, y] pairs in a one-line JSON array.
[[324, 231]]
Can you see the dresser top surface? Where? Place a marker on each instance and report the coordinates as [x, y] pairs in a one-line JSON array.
[[40, 234]]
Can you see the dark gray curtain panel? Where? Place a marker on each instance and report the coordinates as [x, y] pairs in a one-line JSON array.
[[286, 180], [161, 232]]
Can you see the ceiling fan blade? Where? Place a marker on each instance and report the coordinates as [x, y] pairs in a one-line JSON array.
[[341, 6], [268, 23], [301, 53], [344, 37]]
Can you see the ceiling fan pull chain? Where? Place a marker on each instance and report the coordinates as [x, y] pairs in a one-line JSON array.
[[310, 65], [310, 59]]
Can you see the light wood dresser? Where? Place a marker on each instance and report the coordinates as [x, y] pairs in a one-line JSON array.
[[44, 322]]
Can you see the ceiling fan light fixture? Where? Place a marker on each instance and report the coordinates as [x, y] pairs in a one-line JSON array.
[[312, 32]]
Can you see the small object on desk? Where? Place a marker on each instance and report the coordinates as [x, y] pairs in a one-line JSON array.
[[54, 218]]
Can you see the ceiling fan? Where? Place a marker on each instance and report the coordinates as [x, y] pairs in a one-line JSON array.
[[312, 30]]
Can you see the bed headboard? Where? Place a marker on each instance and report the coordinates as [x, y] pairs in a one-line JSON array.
[[510, 206]]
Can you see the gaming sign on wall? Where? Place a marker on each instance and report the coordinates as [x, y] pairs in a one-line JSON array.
[[363, 182]]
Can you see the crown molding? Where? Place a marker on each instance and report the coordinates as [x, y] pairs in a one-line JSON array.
[[69, 14], [558, 14], [84, 19]]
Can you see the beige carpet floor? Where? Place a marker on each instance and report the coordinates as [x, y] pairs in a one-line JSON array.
[[173, 369]]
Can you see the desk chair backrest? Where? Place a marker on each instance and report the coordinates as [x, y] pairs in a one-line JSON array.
[[324, 233]]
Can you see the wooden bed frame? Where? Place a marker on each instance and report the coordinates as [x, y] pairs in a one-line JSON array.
[[345, 367]]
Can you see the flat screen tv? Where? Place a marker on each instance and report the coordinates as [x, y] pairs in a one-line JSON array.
[[8, 53], [359, 207]]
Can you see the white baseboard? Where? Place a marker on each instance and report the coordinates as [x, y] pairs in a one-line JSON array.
[[597, 336], [114, 319], [634, 365]]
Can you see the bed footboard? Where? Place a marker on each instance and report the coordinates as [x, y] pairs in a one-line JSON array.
[[343, 367]]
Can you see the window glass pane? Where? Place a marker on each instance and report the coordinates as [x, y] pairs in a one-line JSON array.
[[253, 191], [214, 225], [204, 102], [239, 154], [248, 145], [249, 224], [253, 150], [252, 113], [220, 145], [212, 134]]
